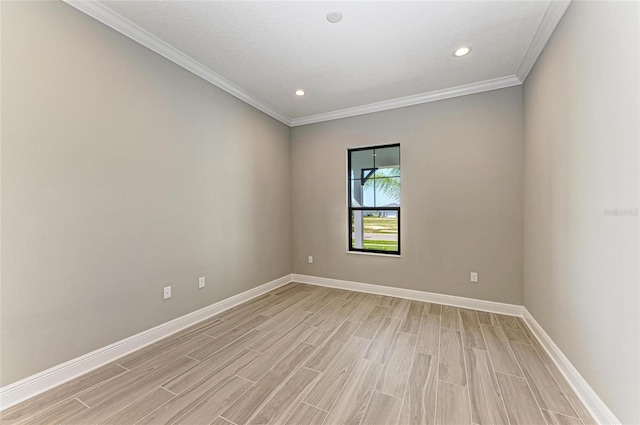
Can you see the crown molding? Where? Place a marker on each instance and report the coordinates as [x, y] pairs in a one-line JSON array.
[[548, 24], [108, 17], [103, 14], [497, 83]]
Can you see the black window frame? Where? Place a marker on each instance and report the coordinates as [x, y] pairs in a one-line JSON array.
[[351, 208]]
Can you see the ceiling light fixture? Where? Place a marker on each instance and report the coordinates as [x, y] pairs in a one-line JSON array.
[[334, 17], [300, 92], [462, 51]]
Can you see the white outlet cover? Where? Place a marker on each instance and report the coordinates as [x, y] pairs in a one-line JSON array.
[[310, 259], [167, 292], [474, 277], [201, 282]]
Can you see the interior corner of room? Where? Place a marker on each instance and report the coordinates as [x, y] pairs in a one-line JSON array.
[[123, 173]]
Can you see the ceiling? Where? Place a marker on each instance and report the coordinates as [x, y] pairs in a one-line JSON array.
[[381, 55]]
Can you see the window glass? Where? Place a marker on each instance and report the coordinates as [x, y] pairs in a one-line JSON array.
[[374, 199], [380, 230]]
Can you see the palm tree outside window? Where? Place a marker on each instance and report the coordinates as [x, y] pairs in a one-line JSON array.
[[374, 199]]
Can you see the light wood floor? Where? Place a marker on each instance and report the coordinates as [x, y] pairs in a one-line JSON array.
[[306, 355]]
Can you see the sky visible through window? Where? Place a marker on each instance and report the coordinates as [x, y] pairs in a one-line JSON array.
[[382, 199]]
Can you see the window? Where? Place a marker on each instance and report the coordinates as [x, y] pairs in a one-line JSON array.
[[374, 199]]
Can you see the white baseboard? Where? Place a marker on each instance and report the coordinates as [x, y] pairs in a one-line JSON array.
[[432, 297], [583, 390], [40, 382]]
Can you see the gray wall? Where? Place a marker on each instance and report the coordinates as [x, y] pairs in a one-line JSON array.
[[581, 157], [461, 165], [123, 173]]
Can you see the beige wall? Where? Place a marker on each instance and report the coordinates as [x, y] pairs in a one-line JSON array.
[[461, 196], [581, 157], [123, 173]]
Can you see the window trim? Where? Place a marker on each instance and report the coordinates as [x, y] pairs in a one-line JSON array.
[[350, 208]]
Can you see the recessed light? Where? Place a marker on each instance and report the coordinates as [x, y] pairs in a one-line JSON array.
[[300, 92], [334, 17], [462, 51]]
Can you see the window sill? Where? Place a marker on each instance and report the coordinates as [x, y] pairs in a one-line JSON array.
[[375, 254]]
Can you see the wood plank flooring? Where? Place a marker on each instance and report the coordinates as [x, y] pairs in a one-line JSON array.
[[307, 355]]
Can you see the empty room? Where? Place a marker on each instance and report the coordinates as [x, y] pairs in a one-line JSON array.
[[319, 213]]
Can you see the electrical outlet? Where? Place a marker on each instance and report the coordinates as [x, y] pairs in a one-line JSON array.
[[167, 292], [201, 282], [474, 277], [310, 259]]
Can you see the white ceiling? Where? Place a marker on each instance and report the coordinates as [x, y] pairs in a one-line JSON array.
[[387, 54]]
